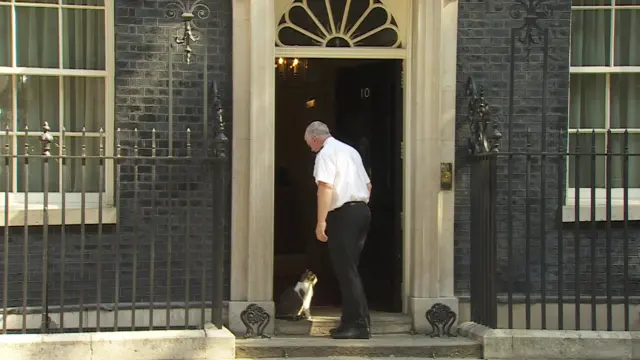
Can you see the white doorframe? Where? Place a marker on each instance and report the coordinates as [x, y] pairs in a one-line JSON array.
[[376, 54], [314, 52], [429, 139], [403, 54]]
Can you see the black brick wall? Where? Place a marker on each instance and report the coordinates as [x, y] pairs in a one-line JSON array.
[[142, 98], [159, 212], [484, 55]]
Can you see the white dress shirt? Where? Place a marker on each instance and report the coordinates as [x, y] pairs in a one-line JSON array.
[[340, 166]]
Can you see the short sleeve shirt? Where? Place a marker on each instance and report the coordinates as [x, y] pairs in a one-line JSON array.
[[340, 166]]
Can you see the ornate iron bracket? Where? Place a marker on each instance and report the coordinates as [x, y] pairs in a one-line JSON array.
[[255, 318], [188, 13], [530, 11], [221, 141], [484, 134], [441, 318]]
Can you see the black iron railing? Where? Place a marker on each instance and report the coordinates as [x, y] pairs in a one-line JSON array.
[[552, 240], [122, 241], [483, 244], [551, 230]]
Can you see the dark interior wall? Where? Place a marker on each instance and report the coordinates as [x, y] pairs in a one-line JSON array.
[[295, 203], [294, 160], [296, 248]]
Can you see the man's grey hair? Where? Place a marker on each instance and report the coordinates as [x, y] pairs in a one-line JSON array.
[[317, 129]]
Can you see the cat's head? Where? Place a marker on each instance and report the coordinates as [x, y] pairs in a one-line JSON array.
[[309, 276]]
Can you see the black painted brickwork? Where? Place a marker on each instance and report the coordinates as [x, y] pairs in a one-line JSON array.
[[484, 54], [142, 102]]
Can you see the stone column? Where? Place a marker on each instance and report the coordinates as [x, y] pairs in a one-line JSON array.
[[433, 59], [253, 160], [447, 129]]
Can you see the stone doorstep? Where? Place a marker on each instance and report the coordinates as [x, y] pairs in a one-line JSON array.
[[381, 323], [419, 346], [207, 344], [353, 358], [284, 327], [504, 344]]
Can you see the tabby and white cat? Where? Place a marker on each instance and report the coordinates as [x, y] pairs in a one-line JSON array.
[[295, 301]]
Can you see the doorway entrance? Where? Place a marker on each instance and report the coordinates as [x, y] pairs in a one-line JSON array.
[[362, 103]]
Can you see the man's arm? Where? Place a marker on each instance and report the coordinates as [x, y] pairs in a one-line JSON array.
[[324, 174], [325, 192], [369, 188]]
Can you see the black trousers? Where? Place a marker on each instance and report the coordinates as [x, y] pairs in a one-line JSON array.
[[347, 228]]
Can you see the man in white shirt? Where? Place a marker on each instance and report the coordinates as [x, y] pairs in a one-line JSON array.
[[343, 222]]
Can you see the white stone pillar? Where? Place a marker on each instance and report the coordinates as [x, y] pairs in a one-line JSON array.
[[433, 59], [447, 129], [253, 159]]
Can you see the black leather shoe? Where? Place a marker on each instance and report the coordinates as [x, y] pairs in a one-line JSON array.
[[367, 323], [339, 328], [351, 332]]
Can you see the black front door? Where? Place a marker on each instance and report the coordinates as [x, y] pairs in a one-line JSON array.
[[369, 118]]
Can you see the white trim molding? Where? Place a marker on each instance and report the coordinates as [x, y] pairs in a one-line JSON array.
[[72, 216], [311, 52], [21, 213], [429, 139], [616, 201], [617, 212]]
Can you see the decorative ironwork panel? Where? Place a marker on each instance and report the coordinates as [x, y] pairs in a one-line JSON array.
[[530, 11], [484, 134], [441, 318], [338, 23], [256, 319], [188, 12]]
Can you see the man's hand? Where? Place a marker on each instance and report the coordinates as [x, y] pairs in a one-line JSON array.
[[321, 227]]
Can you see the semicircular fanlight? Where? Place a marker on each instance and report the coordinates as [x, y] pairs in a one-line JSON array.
[[337, 23]]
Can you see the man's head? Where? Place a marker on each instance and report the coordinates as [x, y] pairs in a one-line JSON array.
[[316, 134]]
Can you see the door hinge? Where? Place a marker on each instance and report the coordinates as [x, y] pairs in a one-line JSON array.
[[402, 150]]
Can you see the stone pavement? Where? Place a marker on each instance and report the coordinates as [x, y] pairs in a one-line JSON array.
[[380, 346], [353, 358]]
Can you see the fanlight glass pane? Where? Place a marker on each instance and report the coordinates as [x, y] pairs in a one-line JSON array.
[[338, 23]]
